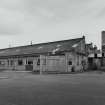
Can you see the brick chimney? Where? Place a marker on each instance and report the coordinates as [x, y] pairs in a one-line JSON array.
[[103, 42], [103, 37]]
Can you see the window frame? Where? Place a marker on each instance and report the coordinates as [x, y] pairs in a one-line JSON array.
[[20, 60]]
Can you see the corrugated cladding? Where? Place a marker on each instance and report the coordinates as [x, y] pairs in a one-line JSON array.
[[64, 45]]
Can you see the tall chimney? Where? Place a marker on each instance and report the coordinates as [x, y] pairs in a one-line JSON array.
[[103, 38], [103, 41], [103, 47]]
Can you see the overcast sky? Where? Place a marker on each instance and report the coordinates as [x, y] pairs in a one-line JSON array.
[[49, 20]]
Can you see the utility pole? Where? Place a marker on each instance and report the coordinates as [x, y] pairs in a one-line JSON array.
[[31, 43]]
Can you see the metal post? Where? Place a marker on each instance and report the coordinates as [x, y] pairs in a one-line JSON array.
[[41, 65]]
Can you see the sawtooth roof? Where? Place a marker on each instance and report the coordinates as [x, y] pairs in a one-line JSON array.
[[63, 45]]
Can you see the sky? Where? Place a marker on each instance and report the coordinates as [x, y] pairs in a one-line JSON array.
[[23, 21]]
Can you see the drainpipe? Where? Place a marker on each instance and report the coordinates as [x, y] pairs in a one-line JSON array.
[[41, 64], [66, 58]]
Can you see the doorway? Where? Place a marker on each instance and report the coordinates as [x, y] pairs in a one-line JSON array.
[[29, 65]]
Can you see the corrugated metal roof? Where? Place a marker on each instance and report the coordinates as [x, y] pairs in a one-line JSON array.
[[63, 45]]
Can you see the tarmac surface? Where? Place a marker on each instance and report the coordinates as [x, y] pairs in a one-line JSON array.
[[25, 88]]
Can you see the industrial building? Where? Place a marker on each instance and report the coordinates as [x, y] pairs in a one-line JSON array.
[[59, 56]]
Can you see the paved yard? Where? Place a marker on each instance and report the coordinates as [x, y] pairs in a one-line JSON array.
[[61, 89]]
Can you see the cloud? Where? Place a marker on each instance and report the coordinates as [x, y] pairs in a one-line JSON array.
[[11, 17], [19, 16], [16, 16], [56, 10], [45, 19], [10, 22], [96, 9], [12, 4]]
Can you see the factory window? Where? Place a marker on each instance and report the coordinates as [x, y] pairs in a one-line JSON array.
[[102, 54], [44, 62], [20, 62], [38, 62], [11, 62], [30, 62], [95, 55], [8, 62], [70, 62], [77, 59]]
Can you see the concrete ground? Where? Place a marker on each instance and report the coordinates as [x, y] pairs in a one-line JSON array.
[[20, 88]]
